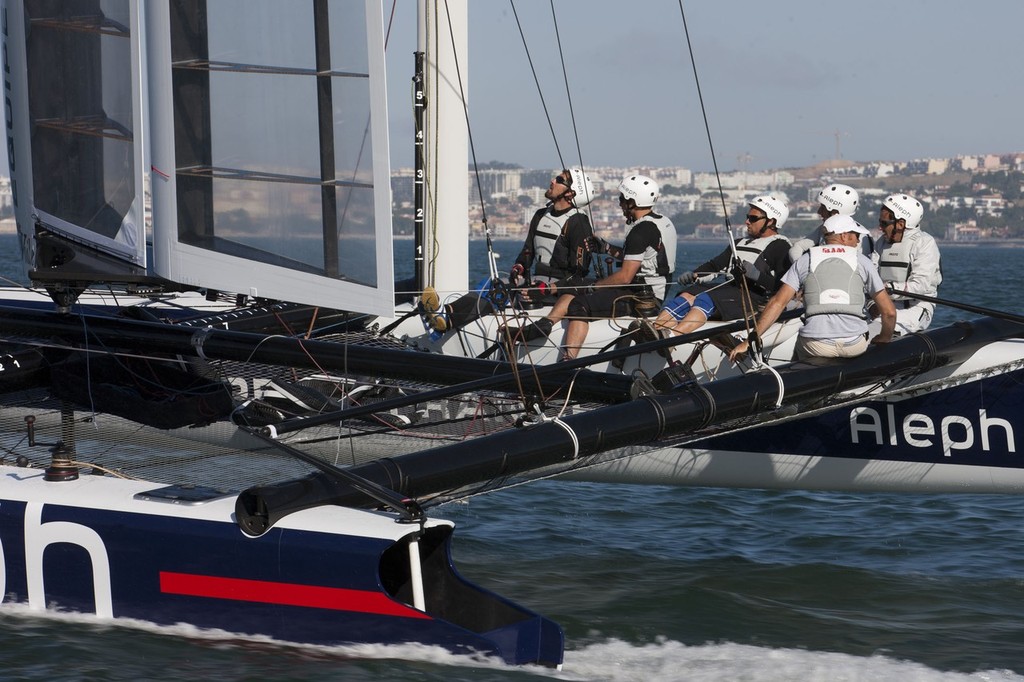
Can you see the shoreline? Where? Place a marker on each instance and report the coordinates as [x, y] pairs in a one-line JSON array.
[[8, 226]]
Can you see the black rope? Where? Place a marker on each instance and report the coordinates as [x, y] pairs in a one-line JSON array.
[[568, 94], [748, 314], [707, 126]]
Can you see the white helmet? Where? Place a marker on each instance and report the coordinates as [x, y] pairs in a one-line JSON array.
[[583, 187], [773, 207], [842, 198], [640, 188], [906, 207]]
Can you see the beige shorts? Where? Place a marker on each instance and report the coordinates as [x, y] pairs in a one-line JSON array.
[[827, 348]]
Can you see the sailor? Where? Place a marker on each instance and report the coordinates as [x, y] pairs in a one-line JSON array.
[[834, 278], [648, 256], [557, 249], [833, 199], [907, 258], [556, 246], [764, 257]]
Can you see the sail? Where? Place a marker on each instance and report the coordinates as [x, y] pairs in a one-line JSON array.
[[269, 149], [75, 120], [259, 127]]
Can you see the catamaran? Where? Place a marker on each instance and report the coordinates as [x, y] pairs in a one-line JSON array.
[[210, 417]]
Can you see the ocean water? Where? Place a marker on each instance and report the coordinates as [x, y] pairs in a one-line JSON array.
[[658, 584]]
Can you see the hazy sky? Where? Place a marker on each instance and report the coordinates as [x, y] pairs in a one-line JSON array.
[[899, 79]]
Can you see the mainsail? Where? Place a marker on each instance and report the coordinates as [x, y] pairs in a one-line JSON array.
[[261, 126]]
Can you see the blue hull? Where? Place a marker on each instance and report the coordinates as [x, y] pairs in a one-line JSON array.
[[180, 564]]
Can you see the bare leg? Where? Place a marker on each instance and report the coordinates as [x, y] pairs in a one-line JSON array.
[[575, 335], [561, 307], [693, 320], [541, 327], [665, 319]]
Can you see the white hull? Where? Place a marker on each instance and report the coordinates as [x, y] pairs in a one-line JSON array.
[[955, 429], [484, 333]]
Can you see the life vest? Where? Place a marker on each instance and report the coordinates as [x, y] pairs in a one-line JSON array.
[[894, 264], [748, 250], [833, 285], [655, 269], [551, 254]]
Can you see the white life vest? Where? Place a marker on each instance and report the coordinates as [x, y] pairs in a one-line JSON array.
[[546, 240], [748, 250], [894, 264], [833, 285], [656, 268]]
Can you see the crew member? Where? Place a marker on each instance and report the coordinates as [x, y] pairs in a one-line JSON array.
[[907, 258], [764, 257], [834, 278]]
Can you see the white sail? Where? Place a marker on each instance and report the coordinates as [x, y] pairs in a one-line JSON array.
[[75, 125], [270, 152], [260, 125]]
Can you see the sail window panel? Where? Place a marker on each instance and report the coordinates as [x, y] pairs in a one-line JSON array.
[[353, 149], [349, 51], [80, 79], [356, 245], [276, 33], [273, 154], [265, 123], [278, 223]]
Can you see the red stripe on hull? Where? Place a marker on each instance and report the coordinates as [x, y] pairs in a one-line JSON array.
[[287, 594]]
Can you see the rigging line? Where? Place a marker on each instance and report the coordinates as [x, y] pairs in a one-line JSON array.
[[430, 76], [568, 95], [492, 260], [707, 129], [88, 365], [391, 22], [536, 81], [745, 295]]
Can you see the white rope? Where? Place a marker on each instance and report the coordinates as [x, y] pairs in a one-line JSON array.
[[572, 435], [197, 341], [778, 378]]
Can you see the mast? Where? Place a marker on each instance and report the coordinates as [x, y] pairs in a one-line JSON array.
[[442, 36]]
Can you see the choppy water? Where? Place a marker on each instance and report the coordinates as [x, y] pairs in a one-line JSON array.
[[660, 583]]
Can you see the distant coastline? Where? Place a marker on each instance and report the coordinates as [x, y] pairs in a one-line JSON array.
[[8, 226]]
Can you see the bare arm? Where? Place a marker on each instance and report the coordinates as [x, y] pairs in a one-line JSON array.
[[622, 276], [772, 311], [887, 311]]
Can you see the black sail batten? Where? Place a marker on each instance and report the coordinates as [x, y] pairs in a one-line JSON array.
[[645, 420]]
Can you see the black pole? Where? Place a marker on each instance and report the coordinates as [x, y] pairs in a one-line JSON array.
[[419, 169], [685, 411], [219, 344], [978, 310]]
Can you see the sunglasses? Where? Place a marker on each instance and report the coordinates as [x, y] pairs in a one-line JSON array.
[[751, 218], [882, 222], [562, 181]]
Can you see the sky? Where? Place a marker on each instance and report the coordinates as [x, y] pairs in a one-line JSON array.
[[782, 81]]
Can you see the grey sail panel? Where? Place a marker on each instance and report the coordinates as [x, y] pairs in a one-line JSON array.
[[270, 155], [76, 124]]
